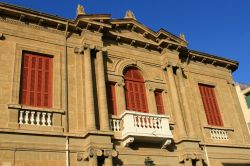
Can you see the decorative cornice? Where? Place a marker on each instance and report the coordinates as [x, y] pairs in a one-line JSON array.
[[214, 60]]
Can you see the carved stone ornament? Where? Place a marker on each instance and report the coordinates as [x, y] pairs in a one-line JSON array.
[[182, 36], [80, 10], [80, 156], [190, 156], [129, 14], [166, 143], [120, 83], [110, 153], [128, 141]]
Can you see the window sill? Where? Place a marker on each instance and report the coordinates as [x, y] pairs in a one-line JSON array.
[[24, 107], [219, 127]]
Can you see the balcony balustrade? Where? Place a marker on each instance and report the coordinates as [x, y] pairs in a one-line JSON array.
[[219, 134], [142, 126], [38, 118]]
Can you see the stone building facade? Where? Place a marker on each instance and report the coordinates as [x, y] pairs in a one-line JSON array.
[[243, 92], [101, 91]]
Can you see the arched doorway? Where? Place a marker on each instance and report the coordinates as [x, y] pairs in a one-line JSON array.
[[135, 90]]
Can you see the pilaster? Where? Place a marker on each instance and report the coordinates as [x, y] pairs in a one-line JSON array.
[[90, 110], [102, 97], [176, 102], [183, 95]]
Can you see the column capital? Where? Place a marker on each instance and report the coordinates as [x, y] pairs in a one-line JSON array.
[[88, 46], [91, 152], [120, 83], [101, 48], [110, 153]]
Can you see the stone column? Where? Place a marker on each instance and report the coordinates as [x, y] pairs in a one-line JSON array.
[[188, 162], [102, 97], [92, 155], [199, 162], [109, 154], [120, 92], [89, 94], [176, 103], [93, 161], [185, 103]]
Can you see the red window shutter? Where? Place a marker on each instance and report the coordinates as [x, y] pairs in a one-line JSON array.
[[36, 80], [159, 103], [210, 105], [111, 99], [135, 91]]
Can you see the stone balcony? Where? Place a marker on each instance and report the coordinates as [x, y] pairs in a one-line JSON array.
[[142, 127]]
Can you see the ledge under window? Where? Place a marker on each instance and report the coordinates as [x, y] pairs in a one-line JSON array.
[[25, 107]]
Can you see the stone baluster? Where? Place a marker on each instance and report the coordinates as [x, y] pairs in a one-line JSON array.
[[27, 117], [147, 122], [139, 124], [32, 118], [176, 102], [38, 118], [89, 94], [49, 119], [143, 122], [43, 119], [21, 117], [102, 98]]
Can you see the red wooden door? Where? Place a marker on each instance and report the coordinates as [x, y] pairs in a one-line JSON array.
[[210, 105], [36, 80], [135, 91]]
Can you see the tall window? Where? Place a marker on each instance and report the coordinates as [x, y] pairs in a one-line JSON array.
[[135, 90], [36, 80], [111, 98], [210, 105], [159, 102]]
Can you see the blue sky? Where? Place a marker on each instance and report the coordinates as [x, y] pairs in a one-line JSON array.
[[219, 27]]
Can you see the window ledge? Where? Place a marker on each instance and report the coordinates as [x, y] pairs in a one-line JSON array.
[[219, 127], [24, 107]]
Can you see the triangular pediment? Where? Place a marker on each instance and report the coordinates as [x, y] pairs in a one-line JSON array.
[[160, 37], [133, 36]]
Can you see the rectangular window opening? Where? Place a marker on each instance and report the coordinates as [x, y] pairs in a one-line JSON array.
[[159, 102], [210, 105], [111, 98], [36, 80]]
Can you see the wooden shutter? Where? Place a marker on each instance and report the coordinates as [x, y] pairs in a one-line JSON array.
[[159, 103], [210, 105], [111, 99], [135, 91], [36, 80]]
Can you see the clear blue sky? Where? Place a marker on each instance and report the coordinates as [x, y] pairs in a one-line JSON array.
[[219, 27]]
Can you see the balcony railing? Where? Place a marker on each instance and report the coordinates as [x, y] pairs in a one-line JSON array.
[[218, 134], [38, 118], [141, 126]]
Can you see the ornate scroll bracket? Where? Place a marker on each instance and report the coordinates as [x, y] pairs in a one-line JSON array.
[[92, 152], [190, 156], [166, 143], [80, 50], [128, 141]]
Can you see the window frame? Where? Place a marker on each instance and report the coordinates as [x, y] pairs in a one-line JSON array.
[[43, 66], [213, 117]]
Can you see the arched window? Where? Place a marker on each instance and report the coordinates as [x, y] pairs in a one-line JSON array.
[[135, 90]]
